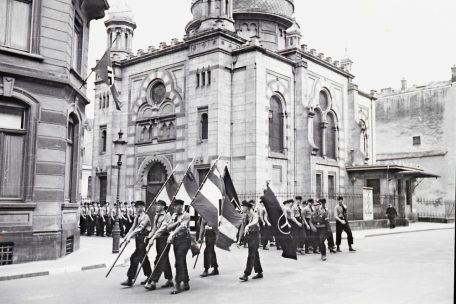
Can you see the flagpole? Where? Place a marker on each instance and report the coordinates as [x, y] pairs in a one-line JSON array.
[[161, 189], [90, 74], [205, 178], [182, 181]]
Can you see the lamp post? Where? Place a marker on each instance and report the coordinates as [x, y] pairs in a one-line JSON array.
[[119, 149]]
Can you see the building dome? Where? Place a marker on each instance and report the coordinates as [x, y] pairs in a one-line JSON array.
[[283, 9], [120, 11]]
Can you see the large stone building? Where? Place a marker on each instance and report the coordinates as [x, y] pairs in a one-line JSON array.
[[416, 126], [240, 85], [43, 63]]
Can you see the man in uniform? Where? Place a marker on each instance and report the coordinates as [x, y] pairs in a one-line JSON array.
[[91, 216], [179, 236], [139, 231], [107, 218], [101, 221], [310, 234], [122, 219], [250, 229], [329, 234], [318, 219], [340, 214], [160, 234], [299, 233], [294, 223], [265, 225], [210, 257], [83, 218]]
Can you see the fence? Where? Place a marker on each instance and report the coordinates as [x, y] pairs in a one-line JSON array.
[[434, 208], [354, 202]]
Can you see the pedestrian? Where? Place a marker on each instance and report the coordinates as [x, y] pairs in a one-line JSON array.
[[340, 214], [180, 238], [309, 232], [250, 229], [139, 230], [101, 221], [318, 219], [83, 218], [160, 234], [96, 217], [391, 213], [122, 219], [265, 225], [210, 257], [107, 218], [329, 234]]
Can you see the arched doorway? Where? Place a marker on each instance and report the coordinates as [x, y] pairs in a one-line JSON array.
[[156, 177]]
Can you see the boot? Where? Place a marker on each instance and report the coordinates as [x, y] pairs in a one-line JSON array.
[[258, 276], [338, 249], [186, 286], [204, 274], [332, 250], [128, 282], [323, 257], [150, 286], [168, 284], [244, 278], [144, 282], [179, 288], [214, 272], [351, 249]]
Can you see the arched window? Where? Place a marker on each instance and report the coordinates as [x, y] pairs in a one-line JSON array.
[[318, 132], [331, 137], [71, 171], [158, 92], [323, 101], [156, 177], [103, 139], [107, 100], [276, 125], [204, 126]]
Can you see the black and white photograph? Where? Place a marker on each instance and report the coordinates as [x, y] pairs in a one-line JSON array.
[[227, 151]]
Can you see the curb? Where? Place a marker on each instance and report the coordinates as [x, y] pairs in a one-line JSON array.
[[51, 272], [410, 231]]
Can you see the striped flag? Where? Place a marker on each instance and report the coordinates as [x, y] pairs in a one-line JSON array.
[[168, 191], [188, 189], [207, 201], [230, 219]]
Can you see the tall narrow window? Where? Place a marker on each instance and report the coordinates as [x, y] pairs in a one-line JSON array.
[[71, 171], [318, 132], [331, 137], [197, 79], [103, 139], [89, 187], [77, 44], [107, 100], [204, 126], [331, 186], [16, 24], [12, 140], [209, 80], [276, 125], [319, 185], [203, 78]]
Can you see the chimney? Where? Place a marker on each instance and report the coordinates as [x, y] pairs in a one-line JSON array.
[[453, 73], [403, 84]]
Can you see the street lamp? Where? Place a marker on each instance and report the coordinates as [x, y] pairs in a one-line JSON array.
[[119, 149]]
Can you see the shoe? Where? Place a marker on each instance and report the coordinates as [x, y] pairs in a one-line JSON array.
[[265, 248], [150, 286], [323, 257], [214, 272], [144, 282], [338, 249], [351, 249], [186, 286], [332, 250], [258, 276], [128, 282], [204, 274], [179, 288], [168, 284], [307, 251], [244, 278]]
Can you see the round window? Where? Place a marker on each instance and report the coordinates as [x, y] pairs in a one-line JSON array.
[[158, 92]]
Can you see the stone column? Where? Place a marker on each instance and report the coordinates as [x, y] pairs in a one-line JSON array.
[[222, 7], [324, 128]]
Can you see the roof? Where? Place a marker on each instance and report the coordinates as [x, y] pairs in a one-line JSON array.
[[394, 169]]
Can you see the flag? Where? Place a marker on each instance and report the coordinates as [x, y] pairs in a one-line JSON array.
[[188, 188], [230, 219], [106, 73], [168, 191], [230, 191], [208, 199], [280, 226]]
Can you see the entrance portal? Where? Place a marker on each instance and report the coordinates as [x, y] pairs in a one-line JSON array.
[[155, 179]]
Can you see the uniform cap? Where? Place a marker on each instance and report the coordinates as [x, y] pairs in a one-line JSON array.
[[179, 202], [160, 202], [247, 204], [139, 203]]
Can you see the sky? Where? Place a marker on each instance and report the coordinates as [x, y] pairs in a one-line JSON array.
[[388, 40]]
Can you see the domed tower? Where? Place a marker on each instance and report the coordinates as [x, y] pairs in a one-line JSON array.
[[211, 14], [267, 19], [120, 28]]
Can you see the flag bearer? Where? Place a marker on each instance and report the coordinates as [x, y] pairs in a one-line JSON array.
[[179, 236], [251, 231], [139, 230], [160, 234], [210, 257], [318, 220]]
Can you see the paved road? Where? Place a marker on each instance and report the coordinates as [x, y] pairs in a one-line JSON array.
[[403, 268]]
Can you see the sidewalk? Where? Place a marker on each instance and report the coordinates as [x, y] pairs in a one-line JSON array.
[[95, 252]]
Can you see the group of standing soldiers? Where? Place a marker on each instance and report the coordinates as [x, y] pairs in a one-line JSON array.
[[309, 225], [98, 219]]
